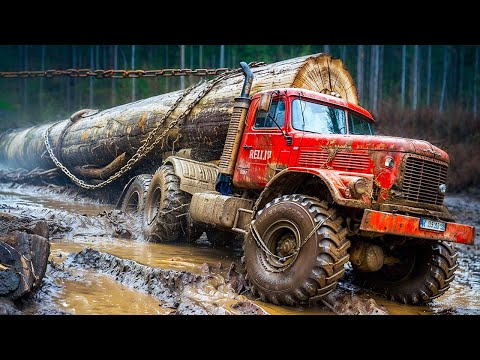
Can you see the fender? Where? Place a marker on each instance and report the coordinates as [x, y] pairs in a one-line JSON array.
[[337, 183], [194, 176]]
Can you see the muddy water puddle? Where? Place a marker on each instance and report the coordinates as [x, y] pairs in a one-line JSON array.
[[93, 293]]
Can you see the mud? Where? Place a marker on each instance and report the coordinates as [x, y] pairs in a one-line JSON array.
[[99, 264]]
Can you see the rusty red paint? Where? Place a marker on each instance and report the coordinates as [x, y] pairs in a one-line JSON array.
[[350, 153], [409, 226]]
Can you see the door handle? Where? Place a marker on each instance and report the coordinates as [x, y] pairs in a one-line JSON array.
[[247, 147]]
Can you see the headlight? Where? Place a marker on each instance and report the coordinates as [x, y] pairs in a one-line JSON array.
[[360, 187], [389, 162], [442, 189]]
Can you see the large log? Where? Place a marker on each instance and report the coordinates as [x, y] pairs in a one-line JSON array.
[[96, 139]]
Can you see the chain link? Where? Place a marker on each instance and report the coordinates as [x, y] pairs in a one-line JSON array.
[[148, 145], [261, 244], [113, 74]]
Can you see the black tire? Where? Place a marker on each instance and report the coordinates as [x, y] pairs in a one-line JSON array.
[[134, 200], [313, 272], [424, 273], [165, 207]]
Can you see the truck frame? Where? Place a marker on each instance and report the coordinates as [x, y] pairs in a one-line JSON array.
[[309, 187]]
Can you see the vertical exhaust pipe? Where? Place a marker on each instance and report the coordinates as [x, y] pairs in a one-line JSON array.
[[235, 128]]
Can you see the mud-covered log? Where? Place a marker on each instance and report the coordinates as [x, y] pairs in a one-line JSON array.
[[95, 139], [23, 262]]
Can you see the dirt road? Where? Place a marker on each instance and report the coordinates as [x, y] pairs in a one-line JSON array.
[[194, 279]]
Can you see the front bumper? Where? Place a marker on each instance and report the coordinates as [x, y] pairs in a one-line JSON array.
[[409, 226]]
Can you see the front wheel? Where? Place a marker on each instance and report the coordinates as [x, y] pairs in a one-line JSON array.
[[295, 250], [417, 273]]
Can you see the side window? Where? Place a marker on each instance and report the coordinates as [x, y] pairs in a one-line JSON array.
[[358, 125], [277, 111]]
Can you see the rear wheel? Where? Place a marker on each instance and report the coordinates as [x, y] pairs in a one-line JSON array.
[[134, 200], [417, 273], [307, 250], [165, 207]]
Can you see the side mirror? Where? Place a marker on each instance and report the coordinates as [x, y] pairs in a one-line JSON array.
[[265, 101]]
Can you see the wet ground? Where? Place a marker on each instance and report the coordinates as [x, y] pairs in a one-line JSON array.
[[73, 288]]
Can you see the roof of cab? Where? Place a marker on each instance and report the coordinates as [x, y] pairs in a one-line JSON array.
[[321, 97]]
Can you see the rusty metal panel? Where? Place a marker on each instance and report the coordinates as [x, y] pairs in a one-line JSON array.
[[409, 226], [216, 209], [194, 176]]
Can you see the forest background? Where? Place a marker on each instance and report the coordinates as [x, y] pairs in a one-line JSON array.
[[428, 92]]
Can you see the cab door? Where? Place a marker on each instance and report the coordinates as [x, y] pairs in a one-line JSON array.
[[263, 151]]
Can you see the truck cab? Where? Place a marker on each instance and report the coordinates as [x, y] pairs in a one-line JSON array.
[[292, 133]]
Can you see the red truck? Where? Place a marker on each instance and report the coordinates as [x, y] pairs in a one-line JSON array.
[[307, 183]]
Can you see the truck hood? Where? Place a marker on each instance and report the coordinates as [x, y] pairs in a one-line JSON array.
[[389, 144]]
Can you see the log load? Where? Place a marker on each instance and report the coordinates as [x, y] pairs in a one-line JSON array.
[[95, 144]]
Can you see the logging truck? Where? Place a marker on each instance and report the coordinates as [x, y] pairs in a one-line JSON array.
[[301, 178]]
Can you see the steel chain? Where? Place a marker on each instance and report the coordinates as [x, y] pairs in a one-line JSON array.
[[113, 74], [146, 147], [261, 244]]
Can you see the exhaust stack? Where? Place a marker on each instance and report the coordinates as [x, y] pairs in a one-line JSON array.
[[236, 126]]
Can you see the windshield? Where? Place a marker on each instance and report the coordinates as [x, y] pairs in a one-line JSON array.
[[358, 125], [317, 118]]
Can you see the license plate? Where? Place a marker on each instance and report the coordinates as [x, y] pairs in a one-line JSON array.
[[432, 225]]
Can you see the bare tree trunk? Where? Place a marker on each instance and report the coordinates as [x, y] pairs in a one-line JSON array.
[[167, 80], [133, 68], [380, 74], [200, 56], [372, 77], [90, 98], [41, 96], [415, 78], [97, 56], [475, 75], [25, 83], [344, 54], [360, 71], [67, 81], [326, 49], [429, 74], [113, 96], [444, 80], [460, 81], [404, 69], [191, 56], [73, 81], [182, 65], [116, 134], [222, 56]]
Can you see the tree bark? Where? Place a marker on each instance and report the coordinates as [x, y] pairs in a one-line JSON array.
[[429, 74], [360, 67], [404, 69], [415, 78], [134, 88], [182, 65], [113, 96], [96, 140], [444, 80], [475, 91]]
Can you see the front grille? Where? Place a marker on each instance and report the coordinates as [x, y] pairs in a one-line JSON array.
[[351, 161], [421, 179], [313, 158]]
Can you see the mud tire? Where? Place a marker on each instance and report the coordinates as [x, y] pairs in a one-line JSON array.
[[134, 200], [429, 275], [315, 270], [165, 210]]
